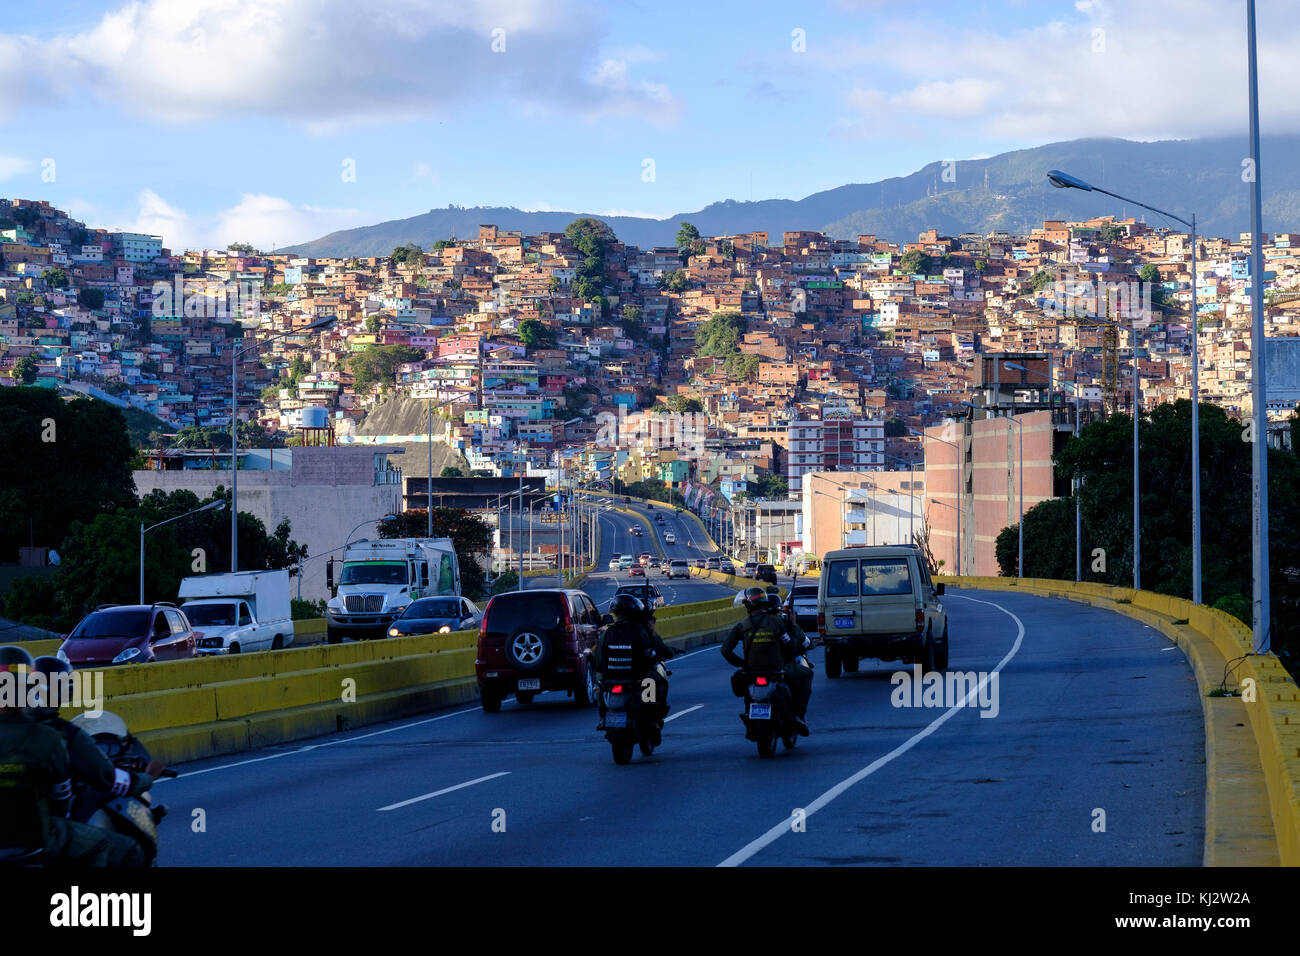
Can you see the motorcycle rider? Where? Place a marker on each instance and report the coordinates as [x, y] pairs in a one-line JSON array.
[[631, 649], [770, 643], [91, 768], [36, 785]]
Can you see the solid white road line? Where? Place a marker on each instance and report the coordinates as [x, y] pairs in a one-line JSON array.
[[682, 713], [747, 851], [439, 793]]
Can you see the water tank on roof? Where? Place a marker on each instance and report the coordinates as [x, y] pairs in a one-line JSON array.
[[315, 416]]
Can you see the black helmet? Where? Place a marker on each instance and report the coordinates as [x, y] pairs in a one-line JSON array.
[[15, 660], [755, 599], [48, 666], [627, 606]]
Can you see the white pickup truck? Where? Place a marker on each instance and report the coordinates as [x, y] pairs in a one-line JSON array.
[[234, 613]]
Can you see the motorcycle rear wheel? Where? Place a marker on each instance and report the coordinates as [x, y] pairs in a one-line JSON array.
[[622, 746], [766, 742]]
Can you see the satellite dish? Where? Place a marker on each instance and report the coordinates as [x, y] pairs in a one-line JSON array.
[[54, 557]]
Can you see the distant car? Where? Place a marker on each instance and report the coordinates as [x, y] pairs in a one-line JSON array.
[[130, 634], [765, 572], [649, 506], [437, 615], [636, 571], [628, 501], [678, 568], [644, 559], [712, 564], [625, 562], [698, 563], [801, 602], [726, 567], [670, 538], [748, 570], [659, 518], [646, 593], [614, 564]]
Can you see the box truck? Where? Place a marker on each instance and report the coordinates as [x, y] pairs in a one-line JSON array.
[[244, 611], [379, 579]]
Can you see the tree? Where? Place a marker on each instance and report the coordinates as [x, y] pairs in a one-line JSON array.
[[100, 557], [372, 324], [450, 472], [240, 247], [1112, 232], [720, 334], [895, 427], [377, 365], [687, 237], [674, 281], [1041, 280], [470, 536], [741, 367], [683, 405], [772, 486], [25, 370], [55, 278], [1050, 526], [915, 262], [536, 334], [90, 298], [408, 255], [65, 461]]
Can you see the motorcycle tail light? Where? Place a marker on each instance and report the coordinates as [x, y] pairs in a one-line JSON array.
[[616, 689], [761, 682]]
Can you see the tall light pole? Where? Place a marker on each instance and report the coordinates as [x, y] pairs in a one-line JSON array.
[[210, 506], [234, 426], [1259, 448], [1065, 181], [957, 458]]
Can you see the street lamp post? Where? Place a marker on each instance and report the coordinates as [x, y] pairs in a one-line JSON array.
[[1065, 181], [210, 506], [234, 426]]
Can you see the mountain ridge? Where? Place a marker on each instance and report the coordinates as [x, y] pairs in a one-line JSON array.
[[1007, 192]]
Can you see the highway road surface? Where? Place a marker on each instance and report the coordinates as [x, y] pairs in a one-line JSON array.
[[1093, 754]]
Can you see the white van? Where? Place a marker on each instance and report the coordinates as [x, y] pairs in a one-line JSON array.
[[234, 613]]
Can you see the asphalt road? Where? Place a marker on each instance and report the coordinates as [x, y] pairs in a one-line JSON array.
[[1095, 714]]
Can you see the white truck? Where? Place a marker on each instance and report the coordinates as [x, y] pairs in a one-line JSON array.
[[244, 611], [381, 578]]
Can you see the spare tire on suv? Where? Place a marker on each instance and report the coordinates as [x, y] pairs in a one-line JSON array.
[[529, 650]]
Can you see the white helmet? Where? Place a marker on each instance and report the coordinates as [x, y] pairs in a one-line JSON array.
[[102, 723]]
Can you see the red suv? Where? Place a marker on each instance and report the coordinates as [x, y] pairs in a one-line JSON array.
[[530, 642], [130, 634]]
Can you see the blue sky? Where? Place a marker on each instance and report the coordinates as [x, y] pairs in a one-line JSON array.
[[212, 121]]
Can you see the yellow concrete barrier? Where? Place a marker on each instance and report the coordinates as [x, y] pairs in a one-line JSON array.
[[1241, 788]]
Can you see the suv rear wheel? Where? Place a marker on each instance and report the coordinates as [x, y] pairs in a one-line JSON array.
[[926, 658], [528, 650], [941, 653], [832, 662], [490, 698]]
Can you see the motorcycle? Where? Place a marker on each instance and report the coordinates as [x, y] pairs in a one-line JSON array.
[[136, 817], [630, 721], [768, 712]]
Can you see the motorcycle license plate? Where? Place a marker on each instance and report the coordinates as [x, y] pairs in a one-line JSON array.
[[530, 683], [613, 719], [760, 711], [844, 622]]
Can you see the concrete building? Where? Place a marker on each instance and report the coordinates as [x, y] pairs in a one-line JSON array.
[[844, 510], [835, 443], [979, 475], [325, 494]]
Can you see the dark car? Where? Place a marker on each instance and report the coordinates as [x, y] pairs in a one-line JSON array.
[[530, 642], [130, 634], [435, 615], [802, 603], [645, 593], [765, 572], [726, 567]]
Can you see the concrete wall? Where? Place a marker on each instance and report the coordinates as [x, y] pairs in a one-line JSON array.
[[320, 513]]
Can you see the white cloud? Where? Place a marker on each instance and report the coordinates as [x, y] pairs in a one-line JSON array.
[[1152, 70], [266, 222], [325, 63], [11, 166]]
